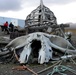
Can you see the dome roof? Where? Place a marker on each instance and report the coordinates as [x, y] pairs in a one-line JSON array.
[[41, 15]]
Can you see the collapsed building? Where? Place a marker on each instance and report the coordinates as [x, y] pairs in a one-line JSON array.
[[40, 19]]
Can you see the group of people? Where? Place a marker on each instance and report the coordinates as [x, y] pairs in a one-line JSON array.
[[8, 27]]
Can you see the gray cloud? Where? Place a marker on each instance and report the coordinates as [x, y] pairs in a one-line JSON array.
[[47, 2], [15, 5], [59, 1], [6, 5]]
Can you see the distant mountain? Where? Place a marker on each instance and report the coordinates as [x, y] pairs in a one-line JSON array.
[[72, 25]]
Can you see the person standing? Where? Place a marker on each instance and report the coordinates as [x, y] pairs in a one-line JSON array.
[[11, 26], [6, 27]]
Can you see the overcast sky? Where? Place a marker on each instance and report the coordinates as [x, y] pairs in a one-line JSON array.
[[64, 10]]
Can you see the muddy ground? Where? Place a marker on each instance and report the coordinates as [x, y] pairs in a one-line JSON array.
[[6, 69]]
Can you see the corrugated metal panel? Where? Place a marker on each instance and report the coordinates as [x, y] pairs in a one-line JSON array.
[[16, 22]]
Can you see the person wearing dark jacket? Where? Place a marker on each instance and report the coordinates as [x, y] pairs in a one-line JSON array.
[[11, 26]]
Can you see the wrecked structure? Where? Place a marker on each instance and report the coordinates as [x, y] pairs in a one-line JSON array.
[[40, 20], [40, 45], [37, 45]]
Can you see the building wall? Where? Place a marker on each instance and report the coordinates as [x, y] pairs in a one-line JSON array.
[[16, 22], [21, 23], [4, 19]]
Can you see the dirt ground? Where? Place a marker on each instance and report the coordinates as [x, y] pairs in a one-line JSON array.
[[6, 69]]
